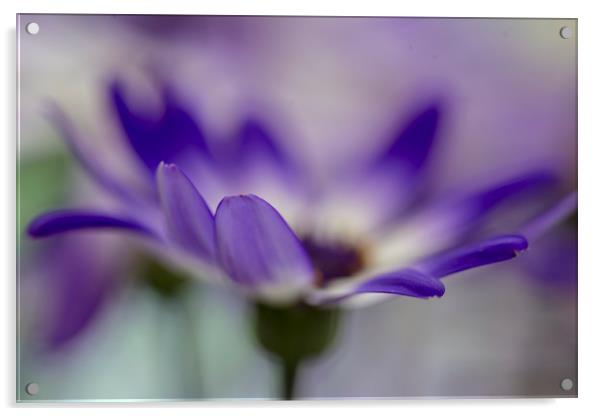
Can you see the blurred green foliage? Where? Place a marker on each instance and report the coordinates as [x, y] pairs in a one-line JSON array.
[[43, 183]]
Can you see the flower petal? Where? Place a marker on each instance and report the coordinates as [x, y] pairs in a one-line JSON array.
[[158, 139], [255, 137], [442, 224], [57, 222], [370, 194], [258, 249], [404, 282], [413, 143], [189, 220], [86, 158], [422, 279], [492, 250], [79, 275], [482, 202]]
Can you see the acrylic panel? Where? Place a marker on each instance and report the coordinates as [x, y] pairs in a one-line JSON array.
[[273, 207]]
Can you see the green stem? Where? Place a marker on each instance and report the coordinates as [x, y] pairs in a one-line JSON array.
[[288, 380], [293, 334]]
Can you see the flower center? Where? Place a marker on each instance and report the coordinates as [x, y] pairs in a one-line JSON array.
[[333, 260]]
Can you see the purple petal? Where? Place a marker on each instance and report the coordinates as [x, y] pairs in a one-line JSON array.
[[78, 281], [173, 133], [257, 247], [62, 221], [394, 179], [255, 138], [412, 145], [483, 201], [86, 158], [445, 223], [538, 226], [407, 282], [189, 220], [403, 282], [485, 252], [253, 147], [552, 261]]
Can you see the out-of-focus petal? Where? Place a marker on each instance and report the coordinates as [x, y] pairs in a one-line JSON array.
[[492, 250], [258, 249], [412, 145], [553, 216], [87, 159], [443, 223], [160, 138], [57, 222], [483, 201], [255, 137], [79, 275], [370, 194], [189, 220], [552, 260], [405, 282]]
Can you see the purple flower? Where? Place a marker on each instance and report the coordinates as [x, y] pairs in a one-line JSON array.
[[370, 229]]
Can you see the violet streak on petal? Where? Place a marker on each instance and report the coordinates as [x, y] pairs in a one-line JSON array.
[[57, 222], [257, 247], [189, 220], [473, 255], [158, 139]]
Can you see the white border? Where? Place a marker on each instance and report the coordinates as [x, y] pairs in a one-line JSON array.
[[590, 143]]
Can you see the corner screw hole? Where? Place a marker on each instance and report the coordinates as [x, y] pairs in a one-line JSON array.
[[32, 389], [32, 28], [566, 32], [566, 384]]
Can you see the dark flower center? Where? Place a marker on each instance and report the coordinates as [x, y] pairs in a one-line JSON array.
[[332, 260]]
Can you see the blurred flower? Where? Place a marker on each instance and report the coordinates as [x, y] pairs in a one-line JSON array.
[[369, 230], [71, 279]]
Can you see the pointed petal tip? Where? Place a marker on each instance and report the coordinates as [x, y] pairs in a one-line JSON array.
[[515, 241], [413, 142], [35, 228], [164, 167], [189, 220], [230, 199]]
